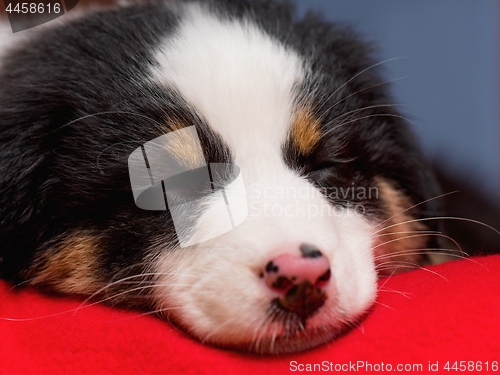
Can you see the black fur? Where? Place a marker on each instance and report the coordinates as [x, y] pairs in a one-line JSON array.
[[73, 108], [74, 104]]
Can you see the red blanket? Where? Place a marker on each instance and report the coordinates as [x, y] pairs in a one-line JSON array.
[[436, 317]]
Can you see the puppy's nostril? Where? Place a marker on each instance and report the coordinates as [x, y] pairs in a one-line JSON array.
[[282, 283], [310, 251], [325, 276], [303, 299]]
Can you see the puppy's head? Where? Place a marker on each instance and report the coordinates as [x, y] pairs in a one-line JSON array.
[[328, 175], [242, 174]]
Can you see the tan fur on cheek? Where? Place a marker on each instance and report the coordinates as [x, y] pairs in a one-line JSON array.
[[305, 130], [400, 239], [72, 266]]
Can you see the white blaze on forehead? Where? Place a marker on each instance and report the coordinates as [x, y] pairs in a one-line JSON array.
[[236, 76]]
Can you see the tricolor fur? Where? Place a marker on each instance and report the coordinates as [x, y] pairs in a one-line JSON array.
[[297, 105]]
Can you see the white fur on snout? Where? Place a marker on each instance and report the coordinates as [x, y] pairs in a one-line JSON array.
[[216, 286], [242, 82]]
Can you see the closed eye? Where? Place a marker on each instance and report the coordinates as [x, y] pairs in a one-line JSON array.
[[331, 164]]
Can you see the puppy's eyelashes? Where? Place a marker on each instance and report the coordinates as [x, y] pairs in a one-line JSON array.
[[331, 164]]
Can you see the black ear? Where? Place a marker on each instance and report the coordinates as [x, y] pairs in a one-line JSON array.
[[467, 201]]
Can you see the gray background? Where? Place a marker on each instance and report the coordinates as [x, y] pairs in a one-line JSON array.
[[449, 49]]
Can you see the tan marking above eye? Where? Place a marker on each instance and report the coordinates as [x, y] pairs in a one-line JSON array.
[[185, 149], [72, 266], [174, 123], [306, 131], [399, 235]]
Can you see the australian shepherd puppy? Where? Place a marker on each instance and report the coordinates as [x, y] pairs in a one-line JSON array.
[[242, 172]]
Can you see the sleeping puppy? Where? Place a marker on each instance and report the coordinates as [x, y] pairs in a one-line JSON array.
[[240, 172]]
